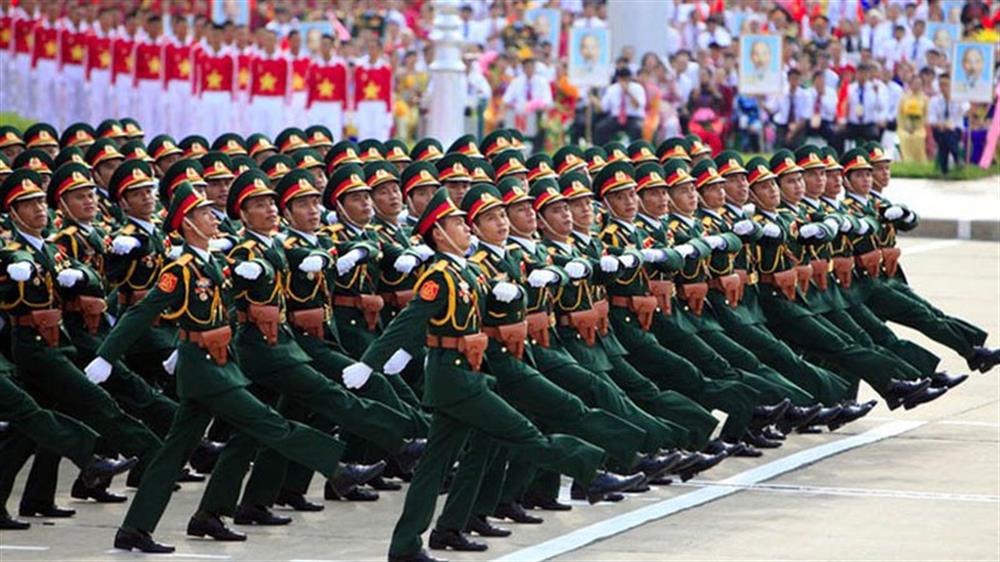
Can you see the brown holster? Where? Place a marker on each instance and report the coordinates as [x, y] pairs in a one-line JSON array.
[[511, 336], [729, 285], [744, 276], [664, 292], [397, 299], [843, 269], [265, 317], [126, 300], [785, 281], [369, 305], [803, 273], [91, 308], [603, 323], [45, 322], [472, 346], [584, 322], [694, 294], [870, 262], [890, 260], [538, 327], [215, 342], [309, 321], [642, 306], [820, 268]]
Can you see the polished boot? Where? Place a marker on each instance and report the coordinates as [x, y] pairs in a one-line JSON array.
[[8, 523], [205, 525], [407, 457], [188, 475], [298, 502], [480, 526], [98, 493], [796, 416], [258, 515], [717, 445], [204, 456], [766, 415], [942, 379], [773, 433], [516, 513], [827, 415], [928, 395], [704, 463], [607, 482], [899, 391], [127, 539], [455, 540], [352, 475], [31, 509], [383, 484], [850, 413], [421, 556], [656, 466], [546, 504], [353, 494], [101, 469], [756, 439], [984, 359]]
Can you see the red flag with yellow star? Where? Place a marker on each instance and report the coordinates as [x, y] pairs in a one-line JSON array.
[[215, 73]]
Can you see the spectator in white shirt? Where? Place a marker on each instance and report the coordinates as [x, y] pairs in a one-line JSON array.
[[893, 91], [789, 113], [588, 17], [528, 94], [714, 32], [865, 108], [945, 117], [915, 48], [821, 105], [625, 105]]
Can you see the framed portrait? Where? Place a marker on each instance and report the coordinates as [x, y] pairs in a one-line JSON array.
[[545, 22], [972, 72], [760, 64], [944, 36], [236, 11], [312, 32], [590, 56]]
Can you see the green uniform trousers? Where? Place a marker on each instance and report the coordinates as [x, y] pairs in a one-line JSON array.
[[249, 417], [923, 359], [496, 419]]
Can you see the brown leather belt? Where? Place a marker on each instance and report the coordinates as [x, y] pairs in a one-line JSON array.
[[369, 305], [870, 262], [538, 327], [584, 322], [45, 322], [91, 308], [472, 346], [310, 321], [128, 299], [511, 336], [786, 281], [729, 285], [215, 341], [890, 260], [843, 269], [694, 295], [397, 299]]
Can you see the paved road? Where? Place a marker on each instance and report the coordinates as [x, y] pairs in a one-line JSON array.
[[898, 485]]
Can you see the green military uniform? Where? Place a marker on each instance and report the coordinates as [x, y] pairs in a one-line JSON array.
[[271, 357], [41, 346], [190, 291], [449, 304]]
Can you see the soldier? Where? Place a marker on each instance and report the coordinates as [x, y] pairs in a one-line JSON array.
[[11, 141], [46, 280], [320, 139], [448, 308], [419, 182], [190, 290]]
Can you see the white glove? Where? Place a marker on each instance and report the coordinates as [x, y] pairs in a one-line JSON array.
[[743, 227], [686, 250], [249, 270], [809, 231], [20, 271], [175, 252], [910, 216], [68, 277], [124, 244], [220, 244], [609, 264], [170, 365], [311, 264], [771, 230], [405, 263], [98, 370], [349, 260], [749, 209], [894, 212], [628, 260], [863, 227], [653, 255], [331, 217], [397, 362], [845, 226], [832, 222], [715, 241], [576, 269], [505, 292], [541, 277], [356, 375], [424, 251]]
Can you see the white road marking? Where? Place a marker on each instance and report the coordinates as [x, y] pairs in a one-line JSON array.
[[930, 247], [174, 554], [19, 547], [969, 423], [609, 527], [854, 492]]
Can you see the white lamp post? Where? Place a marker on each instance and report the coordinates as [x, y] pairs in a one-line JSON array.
[[447, 103]]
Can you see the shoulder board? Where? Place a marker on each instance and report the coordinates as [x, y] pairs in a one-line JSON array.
[[336, 227], [553, 250], [290, 242], [68, 231], [513, 246], [246, 244], [672, 225], [128, 229], [376, 227], [179, 262], [479, 256], [706, 220], [13, 246], [440, 265], [787, 210], [610, 229]]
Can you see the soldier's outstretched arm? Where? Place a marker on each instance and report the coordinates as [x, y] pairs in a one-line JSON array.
[[169, 293], [407, 331]]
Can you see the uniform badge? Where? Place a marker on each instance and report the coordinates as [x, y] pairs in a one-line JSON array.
[[168, 282], [429, 290]]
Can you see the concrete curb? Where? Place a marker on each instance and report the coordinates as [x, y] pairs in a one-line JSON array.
[[985, 230]]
